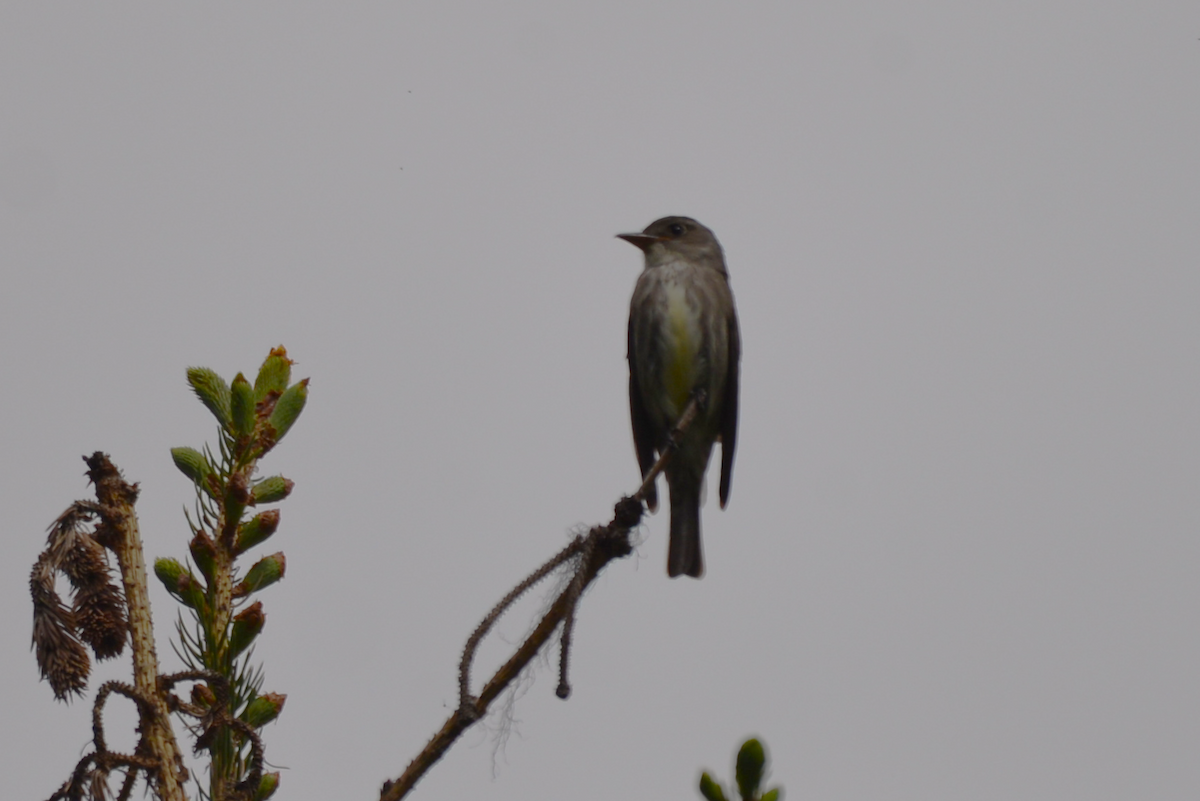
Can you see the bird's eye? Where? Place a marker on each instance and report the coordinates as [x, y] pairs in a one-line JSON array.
[[676, 229]]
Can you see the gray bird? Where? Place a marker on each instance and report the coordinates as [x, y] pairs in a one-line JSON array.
[[683, 335]]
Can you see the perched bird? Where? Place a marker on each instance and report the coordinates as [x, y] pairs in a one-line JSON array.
[[683, 336]]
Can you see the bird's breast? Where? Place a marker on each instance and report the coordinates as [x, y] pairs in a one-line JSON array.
[[681, 338]]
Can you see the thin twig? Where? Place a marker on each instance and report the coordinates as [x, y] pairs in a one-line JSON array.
[[574, 590], [127, 786], [145, 707], [254, 775], [464, 665], [104, 762]]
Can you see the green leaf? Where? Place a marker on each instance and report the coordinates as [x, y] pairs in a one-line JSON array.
[[180, 582], [274, 374], [751, 761], [212, 391], [194, 465], [204, 553], [270, 490], [256, 530], [264, 573], [267, 786], [263, 709], [771, 795], [242, 406], [247, 625], [169, 571], [287, 409], [710, 789]]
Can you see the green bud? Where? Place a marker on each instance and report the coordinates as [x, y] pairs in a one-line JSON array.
[[191, 593], [287, 409], [204, 553], [169, 571], [194, 465], [771, 795], [212, 391], [266, 571], [242, 406], [274, 374], [247, 625], [267, 786], [710, 789], [256, 530], [180, 582], [751, 761], [270, 490], [263, 709]]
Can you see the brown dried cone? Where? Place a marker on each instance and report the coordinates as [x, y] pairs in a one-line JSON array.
[[62, 659], [100, 614], [99, 604], [98, 617]]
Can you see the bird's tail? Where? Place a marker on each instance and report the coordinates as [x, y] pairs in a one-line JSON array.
[[685, 557]]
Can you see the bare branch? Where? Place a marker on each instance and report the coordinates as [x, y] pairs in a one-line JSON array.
[[120, 532], [592, 553]]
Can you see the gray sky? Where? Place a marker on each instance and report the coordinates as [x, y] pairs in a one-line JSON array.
[[960, 554]]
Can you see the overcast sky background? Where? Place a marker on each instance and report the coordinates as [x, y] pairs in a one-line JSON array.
[[960, 557]]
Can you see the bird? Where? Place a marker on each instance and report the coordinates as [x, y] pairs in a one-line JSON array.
[[683, 337]]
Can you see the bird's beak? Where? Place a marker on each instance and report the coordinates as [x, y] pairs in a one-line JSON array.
[[643, 241]]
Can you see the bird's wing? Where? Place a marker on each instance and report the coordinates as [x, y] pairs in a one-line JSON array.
[[643, 430], [729, 409]]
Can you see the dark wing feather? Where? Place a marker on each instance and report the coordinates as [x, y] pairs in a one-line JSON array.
[[729, 410], [643, 430]]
